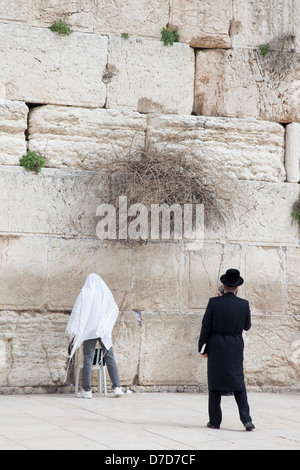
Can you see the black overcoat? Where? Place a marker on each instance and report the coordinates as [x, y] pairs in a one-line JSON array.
[[223, 323]]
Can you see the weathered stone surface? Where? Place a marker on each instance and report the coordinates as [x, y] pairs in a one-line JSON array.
[[158, 285], [263, 216], [15, 10], [292, 152], [13, 123], [203, 24], [171, 340], [150, 77], [48, 221], [81, 257], [244, 148], [23, 272], [127, 337], [269, 22], [222, 24], [34, 350], [265, 275], [205, 268], [270, 352], [242, 83], [267, 271], [76, 13], [62, 202], [135, 17], [58, 69], [213, 23], [293, 292], [84, 138]]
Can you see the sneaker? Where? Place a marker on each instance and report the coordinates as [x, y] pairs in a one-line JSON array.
[[85, 394], [118, 392]]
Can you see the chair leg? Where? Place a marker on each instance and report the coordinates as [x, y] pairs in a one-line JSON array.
[[104, 379], [77, 379], [102, 386], [99, 380]]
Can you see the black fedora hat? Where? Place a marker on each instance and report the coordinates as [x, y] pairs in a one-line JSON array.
[[232, 278]]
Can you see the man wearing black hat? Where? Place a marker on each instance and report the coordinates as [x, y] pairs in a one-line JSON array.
[[222, 343]]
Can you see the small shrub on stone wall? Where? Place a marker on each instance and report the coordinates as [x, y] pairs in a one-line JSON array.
[[169, 36], [263, 49], [61, 27], [32, 161], [296, 211]]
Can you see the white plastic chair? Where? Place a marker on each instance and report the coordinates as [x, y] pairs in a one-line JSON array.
[[100, 367]]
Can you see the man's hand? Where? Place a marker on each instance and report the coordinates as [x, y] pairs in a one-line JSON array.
[[203, 355]]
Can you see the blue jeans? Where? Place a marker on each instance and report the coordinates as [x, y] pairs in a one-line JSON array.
[[88, 353]]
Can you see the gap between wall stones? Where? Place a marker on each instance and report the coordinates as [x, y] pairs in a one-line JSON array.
[[139, 317]]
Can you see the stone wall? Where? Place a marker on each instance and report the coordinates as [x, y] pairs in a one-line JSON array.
[[86, 98]]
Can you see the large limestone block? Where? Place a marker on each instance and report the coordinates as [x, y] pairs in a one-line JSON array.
[[126, 335], [242, 83], [78, 14], [267, 272], [150, 77], [260, 214], [34, 350], [134, 17], [70, 261], [292, 152], [62, 202], [23, 272], [39, 66], [14, 10], [203, 24], [84, 138], [264, 271], [13, 123], [270, 352], [293, 269], [245, 149], [158, 283], [169, 350], [205, 268], [274, 22]]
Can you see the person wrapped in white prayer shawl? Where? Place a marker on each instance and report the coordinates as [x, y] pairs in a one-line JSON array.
[[92, 319]]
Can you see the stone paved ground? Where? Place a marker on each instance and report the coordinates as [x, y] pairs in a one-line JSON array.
[[145, 421]]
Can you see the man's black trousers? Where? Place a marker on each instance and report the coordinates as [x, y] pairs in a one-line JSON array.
[[214, 407]]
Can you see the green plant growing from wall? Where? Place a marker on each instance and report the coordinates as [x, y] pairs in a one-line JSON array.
[[32, 161], [296, 211], [125, 36], [264, 49], [61, 27], [169, 36]]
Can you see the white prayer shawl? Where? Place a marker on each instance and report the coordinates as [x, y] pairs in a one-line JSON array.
[[94, 314]]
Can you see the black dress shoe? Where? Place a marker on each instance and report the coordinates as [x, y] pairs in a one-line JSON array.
[[209, 425], [249, 426]]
